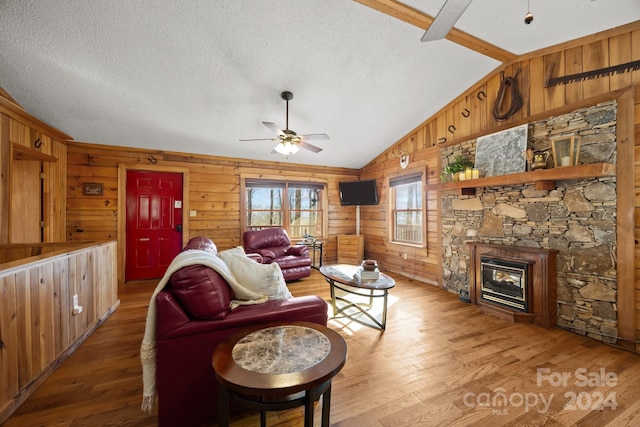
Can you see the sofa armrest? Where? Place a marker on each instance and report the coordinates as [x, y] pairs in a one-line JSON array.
[[298, 250], [256, 257], [264, 253], [173, 316]]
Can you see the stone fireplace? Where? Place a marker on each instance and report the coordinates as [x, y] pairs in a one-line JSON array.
[[514, 283], [577, 218]]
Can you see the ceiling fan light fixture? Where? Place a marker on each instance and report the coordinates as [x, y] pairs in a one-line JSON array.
[[286, 148], [290, 141]]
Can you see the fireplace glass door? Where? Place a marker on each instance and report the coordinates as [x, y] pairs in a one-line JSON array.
[[504, 282]]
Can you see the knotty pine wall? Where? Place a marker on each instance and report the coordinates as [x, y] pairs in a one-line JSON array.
[[20, 184], [213, 191], [470, 116], [636, 184]]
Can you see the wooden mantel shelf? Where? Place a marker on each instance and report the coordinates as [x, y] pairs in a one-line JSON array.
[[544, 179]]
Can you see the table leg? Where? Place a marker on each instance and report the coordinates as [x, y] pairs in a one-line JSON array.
[[333, 297], [326, 406], [384, 310], [308, 408], [313, 260], [263, 418], [223, 406]]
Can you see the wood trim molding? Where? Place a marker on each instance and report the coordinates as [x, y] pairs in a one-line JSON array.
[[421, 20], [625, 221]]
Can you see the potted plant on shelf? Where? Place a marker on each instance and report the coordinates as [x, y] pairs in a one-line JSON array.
[[451, 171]]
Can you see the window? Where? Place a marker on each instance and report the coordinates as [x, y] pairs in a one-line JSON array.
[[407, 209], [295, 206]]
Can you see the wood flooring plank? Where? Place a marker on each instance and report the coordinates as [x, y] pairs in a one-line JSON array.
[[436, 362]]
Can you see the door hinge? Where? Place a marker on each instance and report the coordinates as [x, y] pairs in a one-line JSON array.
[[42, 175], [41, 224]]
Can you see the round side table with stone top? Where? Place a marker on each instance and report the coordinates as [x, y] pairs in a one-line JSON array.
[[277, 366]]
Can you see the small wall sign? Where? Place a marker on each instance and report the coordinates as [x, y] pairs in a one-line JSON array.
[[92, 188]]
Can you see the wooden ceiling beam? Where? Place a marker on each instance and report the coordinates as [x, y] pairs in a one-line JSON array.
[[421, 20]]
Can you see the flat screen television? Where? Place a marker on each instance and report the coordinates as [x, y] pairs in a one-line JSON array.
[[354, 193]]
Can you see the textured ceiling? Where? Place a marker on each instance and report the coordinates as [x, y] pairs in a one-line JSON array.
[[198, 76]]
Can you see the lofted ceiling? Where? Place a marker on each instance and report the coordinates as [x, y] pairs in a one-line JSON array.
[[198, 76]]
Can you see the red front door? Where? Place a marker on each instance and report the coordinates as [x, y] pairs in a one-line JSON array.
[[154, 223]]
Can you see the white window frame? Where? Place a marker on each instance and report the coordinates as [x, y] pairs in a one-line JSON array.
[[409, 176], [286, 210]]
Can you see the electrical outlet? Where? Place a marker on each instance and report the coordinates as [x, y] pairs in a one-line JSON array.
[[404, 256], [193, 213]]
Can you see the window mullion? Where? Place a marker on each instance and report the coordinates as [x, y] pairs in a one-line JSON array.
[[285, 208]]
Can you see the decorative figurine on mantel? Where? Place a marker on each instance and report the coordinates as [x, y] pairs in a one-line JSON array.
[[540, 160]]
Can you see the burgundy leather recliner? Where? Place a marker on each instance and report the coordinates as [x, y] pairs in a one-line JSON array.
[[273, 245], [193, 316]]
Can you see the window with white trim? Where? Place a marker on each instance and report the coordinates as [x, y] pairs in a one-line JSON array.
[[407, 209], [294, 206]]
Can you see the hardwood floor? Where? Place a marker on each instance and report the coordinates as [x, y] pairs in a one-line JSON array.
[[440, 362]]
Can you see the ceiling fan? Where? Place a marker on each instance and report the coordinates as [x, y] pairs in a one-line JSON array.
[[446, 18], [288, 141]]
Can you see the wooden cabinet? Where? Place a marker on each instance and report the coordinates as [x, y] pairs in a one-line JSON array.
[[350, 249]]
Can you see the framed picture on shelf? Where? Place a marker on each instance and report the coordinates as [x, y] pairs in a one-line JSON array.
[[503, 152]]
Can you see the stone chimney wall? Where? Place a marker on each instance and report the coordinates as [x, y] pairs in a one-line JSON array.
[[578, 219]]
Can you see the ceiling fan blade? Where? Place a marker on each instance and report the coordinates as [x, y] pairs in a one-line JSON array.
[[446, 18], [274, 128], [315, 137], [260, 139], [309, 147]]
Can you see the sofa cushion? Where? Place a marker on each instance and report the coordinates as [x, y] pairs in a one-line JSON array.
[[265, 239], [203, 244], [266, 279], [202, 292]]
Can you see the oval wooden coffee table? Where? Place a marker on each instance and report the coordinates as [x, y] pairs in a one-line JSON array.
[[277, 366], [343, 277]]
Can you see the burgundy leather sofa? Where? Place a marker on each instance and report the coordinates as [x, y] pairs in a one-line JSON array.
[[273, 245], [193, 317]]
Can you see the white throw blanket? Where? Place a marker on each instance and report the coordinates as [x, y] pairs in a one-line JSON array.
[[243, 295]]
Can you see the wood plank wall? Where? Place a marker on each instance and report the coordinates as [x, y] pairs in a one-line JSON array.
[[636, 181], [37, 326], [450, 127], [20, 184], [214, 192]]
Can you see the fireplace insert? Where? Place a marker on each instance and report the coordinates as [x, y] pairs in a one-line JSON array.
[[505, 283]]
